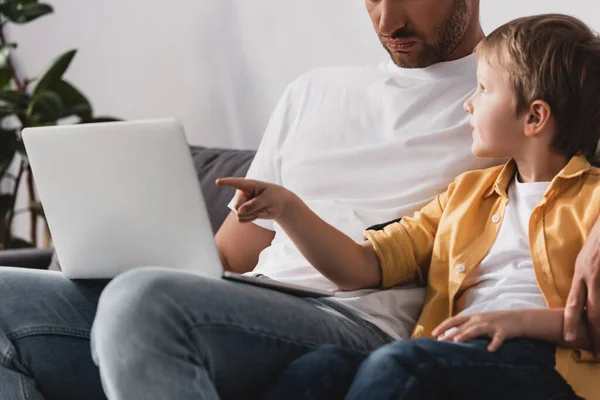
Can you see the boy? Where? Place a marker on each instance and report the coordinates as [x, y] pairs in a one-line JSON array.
[[496, 250]]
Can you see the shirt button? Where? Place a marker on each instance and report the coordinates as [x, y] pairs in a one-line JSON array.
[[495, 218], [460, 268]]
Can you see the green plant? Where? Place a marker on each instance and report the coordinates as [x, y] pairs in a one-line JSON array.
[[26, 102]]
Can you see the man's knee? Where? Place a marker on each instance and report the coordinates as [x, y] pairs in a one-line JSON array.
[[134, 296], [132, 303]]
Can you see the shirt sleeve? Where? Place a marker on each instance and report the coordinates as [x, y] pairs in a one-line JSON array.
[[266, 165], [404, 248], [585, 356]]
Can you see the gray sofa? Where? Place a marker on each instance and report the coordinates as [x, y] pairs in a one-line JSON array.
[[210, 164]]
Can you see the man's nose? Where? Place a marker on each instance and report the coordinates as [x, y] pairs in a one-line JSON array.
[[392, 17]]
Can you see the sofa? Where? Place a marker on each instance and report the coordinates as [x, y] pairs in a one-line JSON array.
[[210, 164]]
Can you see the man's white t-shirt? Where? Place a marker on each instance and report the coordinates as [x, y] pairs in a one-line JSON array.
[[361, 146], [505, 279]]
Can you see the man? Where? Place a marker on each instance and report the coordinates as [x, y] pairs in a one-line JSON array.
[[360, 146]]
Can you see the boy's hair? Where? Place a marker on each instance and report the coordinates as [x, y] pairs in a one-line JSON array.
[[555, 58]]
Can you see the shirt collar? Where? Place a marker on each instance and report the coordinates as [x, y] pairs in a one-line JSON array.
[[577, 166]]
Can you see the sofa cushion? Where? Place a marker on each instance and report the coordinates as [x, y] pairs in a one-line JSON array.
[[210, 164], [218, 163]]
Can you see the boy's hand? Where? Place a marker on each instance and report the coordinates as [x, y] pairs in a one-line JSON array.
[[499, 326], [258, 200]]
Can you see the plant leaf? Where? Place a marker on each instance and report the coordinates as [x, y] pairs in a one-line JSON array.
[[53, 74], [98, 120], [6, 72], [74, 101], [18, 243], [5, 52], [5, 205], [24, 11], [45, 107], [18, 100], [5, 77], [8, 140], [6, 110]]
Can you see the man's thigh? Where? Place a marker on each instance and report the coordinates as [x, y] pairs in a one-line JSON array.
[[242, 335], [45, 322]]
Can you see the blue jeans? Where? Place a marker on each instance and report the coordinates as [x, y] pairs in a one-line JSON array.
[[45, 323], [425, 369], [157, 334]]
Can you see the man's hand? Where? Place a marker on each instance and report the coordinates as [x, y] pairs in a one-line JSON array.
[[258, 200], [584, 297], [499, 326]]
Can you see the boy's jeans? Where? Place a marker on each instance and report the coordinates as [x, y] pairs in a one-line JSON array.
[[426, 369], [158, 334]]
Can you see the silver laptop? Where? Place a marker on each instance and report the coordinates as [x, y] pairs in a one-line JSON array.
[[124, 195]]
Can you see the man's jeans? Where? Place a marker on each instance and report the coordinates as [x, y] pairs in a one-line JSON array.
[[45, 323], [158, 334], [426, 369]]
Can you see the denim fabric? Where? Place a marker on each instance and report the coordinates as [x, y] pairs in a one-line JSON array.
[[425, 369], [159, 334], [162, 334], [45, 323]]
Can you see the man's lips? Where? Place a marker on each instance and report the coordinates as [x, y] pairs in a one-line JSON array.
[[400, 45]]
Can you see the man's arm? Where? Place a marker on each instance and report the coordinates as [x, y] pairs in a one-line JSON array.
[[547, 325], [240, 244], [585, 292]]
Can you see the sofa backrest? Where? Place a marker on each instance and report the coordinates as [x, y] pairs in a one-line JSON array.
[[218, 163]]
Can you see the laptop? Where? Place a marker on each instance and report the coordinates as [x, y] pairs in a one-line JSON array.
[[124, 195]]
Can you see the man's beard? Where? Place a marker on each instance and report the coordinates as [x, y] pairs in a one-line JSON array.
[[448, 35]]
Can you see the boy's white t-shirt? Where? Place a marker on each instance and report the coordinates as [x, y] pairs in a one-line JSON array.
[[505, 279], [361, 146]]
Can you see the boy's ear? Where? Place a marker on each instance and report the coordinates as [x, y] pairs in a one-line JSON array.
[[537, 118]]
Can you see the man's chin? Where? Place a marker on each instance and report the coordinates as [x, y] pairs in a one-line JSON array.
[[409, 59]]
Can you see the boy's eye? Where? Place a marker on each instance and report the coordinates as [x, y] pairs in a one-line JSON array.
[[481, 88]]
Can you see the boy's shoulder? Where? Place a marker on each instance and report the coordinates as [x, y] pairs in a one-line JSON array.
[[593, 179], [477, 180], [594, 172]]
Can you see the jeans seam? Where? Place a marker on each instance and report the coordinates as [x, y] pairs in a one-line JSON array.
[[6, 360], [24, 387], [225, 324], [54, 330], [373, 329]]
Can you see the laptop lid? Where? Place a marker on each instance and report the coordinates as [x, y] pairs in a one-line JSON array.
[[121, 195]]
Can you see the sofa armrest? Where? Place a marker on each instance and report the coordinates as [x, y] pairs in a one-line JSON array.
[[26, 258]]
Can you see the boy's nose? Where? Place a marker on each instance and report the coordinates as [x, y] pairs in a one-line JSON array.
[[468, 106]]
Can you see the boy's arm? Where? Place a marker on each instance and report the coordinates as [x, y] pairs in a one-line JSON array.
[[400, 253], [546, 325], [351, 266]]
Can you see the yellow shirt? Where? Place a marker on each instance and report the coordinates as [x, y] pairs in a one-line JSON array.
[[450, 236]]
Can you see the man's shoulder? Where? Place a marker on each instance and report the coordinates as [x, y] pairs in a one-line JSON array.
[[329, 75]]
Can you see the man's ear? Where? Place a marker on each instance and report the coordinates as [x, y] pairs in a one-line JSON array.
[[537, 118]]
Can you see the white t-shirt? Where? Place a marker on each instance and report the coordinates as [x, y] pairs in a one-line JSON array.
[[505, 279], [361, 146]]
